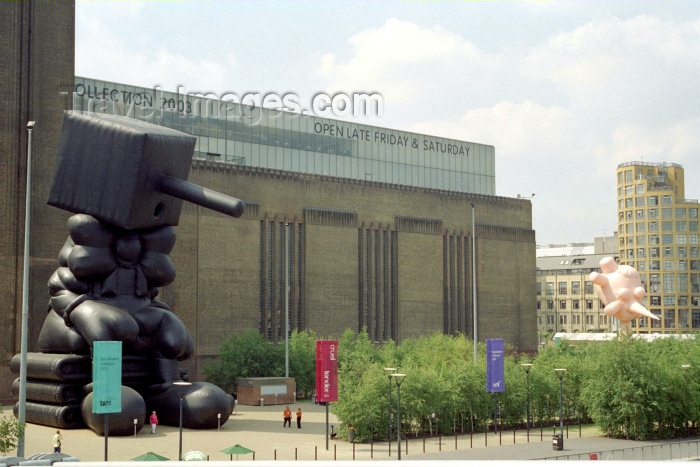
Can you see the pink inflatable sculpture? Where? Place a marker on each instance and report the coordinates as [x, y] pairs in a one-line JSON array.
[[621, 291]]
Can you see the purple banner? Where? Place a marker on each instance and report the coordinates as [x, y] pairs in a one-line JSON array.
[[495, 370]]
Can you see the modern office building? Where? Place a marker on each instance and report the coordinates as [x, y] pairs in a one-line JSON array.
[[659, 236], [346, 226]]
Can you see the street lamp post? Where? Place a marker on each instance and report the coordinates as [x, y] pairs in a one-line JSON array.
[[181, 386], [24, 330], [527, 367], [389, 372], [474, 317], [560, 375], [686, 367], [399, 379]]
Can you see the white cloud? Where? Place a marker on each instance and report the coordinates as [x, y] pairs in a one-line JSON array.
[[404, 62], [105, 53]]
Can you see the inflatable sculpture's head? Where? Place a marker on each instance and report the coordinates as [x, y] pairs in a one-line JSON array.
[[127, 173]]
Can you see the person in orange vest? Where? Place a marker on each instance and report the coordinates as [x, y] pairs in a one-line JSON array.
[[287, 417], [299, 417]]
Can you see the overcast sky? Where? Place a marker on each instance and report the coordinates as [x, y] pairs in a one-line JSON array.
[[564, 90]]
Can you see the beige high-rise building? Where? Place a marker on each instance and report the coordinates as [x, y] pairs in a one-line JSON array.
[[659, 235]]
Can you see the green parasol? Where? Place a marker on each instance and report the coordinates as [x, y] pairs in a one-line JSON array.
[[237, 449], [150, 456]]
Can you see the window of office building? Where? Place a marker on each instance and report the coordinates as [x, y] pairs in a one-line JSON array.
[[550, 304], [562, 304], [670, 318], [666, 200], [696, 319], [641, 227], [667, 226], [575, 287], [550, 288], [576, 304], [653, 227], [681, 226], [666, 239], [653, 201], [692, 226], [562, 319], [538, 285], [589, 287], [589, 304], [562, 288], [681, 239], [693, 213], [639, 202], [668, 282], [666, 213], [683, 319], [682, 252]]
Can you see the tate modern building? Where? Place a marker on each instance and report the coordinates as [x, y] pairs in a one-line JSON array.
[[346, 225]]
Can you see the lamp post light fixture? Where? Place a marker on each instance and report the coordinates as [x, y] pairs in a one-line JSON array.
[[181, 386], [399, 379], [389, 372], [560, 374], [686, 368], [527, 367]]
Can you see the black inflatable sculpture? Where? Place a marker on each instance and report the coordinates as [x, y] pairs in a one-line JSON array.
[[124, 179]]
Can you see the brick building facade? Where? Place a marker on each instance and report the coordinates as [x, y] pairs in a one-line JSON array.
[[395, 259]]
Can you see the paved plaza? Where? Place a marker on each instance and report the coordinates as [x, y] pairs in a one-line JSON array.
[[260, 429]]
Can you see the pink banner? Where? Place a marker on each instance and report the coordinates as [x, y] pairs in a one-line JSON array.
[[326, 371]]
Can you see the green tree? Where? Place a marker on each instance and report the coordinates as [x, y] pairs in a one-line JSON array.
[[10, 431], [245, 355], [302, 361]]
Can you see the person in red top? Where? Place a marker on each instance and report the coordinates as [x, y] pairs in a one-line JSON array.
[[287, 417], [154, 422]]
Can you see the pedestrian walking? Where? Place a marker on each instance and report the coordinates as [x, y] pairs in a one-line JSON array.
[[154, 422], [287, 417], [299, 417], [57, 438]]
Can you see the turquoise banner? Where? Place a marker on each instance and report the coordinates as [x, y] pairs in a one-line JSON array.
[[107, 377]]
